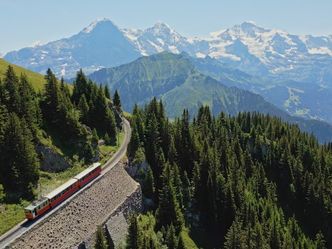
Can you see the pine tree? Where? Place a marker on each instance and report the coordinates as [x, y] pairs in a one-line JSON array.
[[11, 95], [320, 241], [95, 137], [181, 243], [52, 97], [275, 240], [169, 211], [88, 153], [234, 239], [101, 242], [3, 120], [148, 184], [64, 88], [111, 126], [132, 237], [84, 109], [20, 172], [107, 139], [2, 194], [81, 86], [116, 100], [185, 144], [171, 238], [107, 92], [134, 143]]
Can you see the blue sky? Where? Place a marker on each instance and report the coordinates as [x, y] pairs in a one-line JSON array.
[[23, 22]]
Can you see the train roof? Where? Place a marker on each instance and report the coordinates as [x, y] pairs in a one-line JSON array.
[[61, 188], [87, 171], [36, 203]]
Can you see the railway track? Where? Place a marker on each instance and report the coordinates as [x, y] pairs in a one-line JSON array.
[[26, 225]]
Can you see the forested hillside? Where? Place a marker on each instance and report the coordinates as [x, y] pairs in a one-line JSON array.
[[55, 117], [177, 80], [249, 181]]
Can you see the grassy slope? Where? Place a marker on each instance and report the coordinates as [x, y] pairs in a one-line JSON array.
[[36, 79]]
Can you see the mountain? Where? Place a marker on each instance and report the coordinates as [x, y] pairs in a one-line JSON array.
[[301, 99], [247, 47], [158, 38], [291, 71], [175, 79], [101, 44]]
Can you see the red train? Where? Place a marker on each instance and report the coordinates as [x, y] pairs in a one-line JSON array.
[[60, 194]]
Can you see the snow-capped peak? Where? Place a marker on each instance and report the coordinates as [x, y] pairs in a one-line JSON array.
[[245, 44], [248, 29], [97, 23], [161, 28]]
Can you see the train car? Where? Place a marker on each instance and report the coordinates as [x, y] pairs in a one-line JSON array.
[[37, 208], [88, 174], [63, 192]]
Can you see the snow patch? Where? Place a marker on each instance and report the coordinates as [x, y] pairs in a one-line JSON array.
[[63, 69], [132, 34], [161, 41], [216, 34], [37, 43], [158, 48], [173, 49], [321, 50], [200, 55]]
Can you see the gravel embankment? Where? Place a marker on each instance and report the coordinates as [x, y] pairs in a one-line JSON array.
[[78, 220]]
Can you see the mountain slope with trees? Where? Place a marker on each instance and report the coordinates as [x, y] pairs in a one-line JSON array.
[[302, 99], [68, 123], [175, 79], [248, 181]]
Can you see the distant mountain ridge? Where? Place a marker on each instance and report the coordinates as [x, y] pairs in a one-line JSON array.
[[274, 51], [294, 72], [175, 79], [302, 99]]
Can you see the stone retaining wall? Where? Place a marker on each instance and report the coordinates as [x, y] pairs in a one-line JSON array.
[[77, 221]]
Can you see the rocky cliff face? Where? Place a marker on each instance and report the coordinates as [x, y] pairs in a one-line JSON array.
[[116, 225], [51, 161]]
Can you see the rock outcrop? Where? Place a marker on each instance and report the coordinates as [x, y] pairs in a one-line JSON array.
[[50, 160]]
